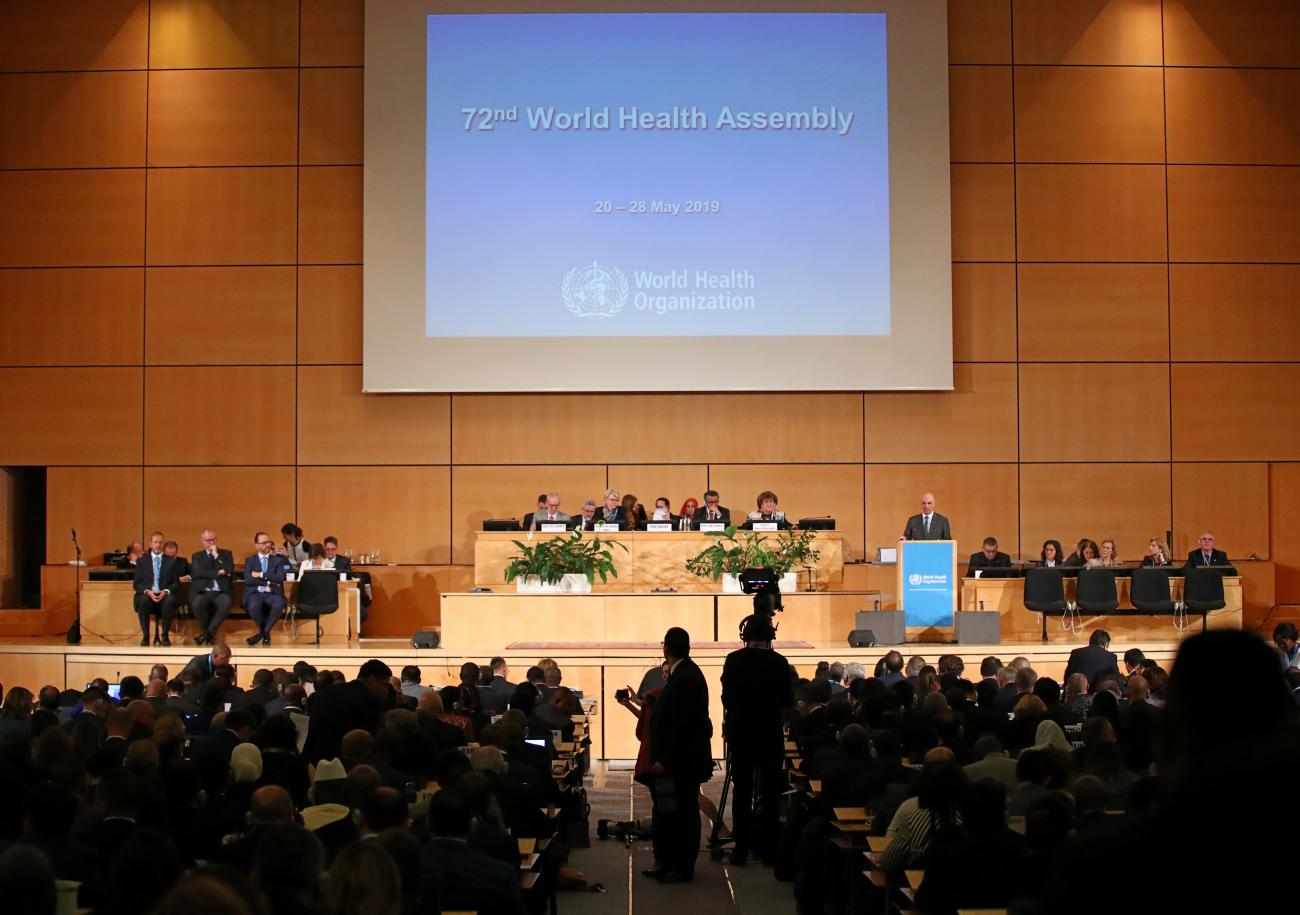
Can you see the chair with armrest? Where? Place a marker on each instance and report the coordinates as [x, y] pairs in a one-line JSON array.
[[318, 595]]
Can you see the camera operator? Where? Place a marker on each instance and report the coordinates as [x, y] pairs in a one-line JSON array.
[[756, 692]]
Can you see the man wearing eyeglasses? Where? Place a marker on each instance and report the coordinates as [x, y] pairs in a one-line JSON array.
[[211, 592], [264, 575], [713, 509], [549, 511], [1206, 555]]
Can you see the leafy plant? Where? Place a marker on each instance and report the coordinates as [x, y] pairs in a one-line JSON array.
[[564, 554], [733, 554]]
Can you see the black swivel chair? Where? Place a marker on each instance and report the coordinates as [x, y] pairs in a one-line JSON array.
[[318, 595], [1203, 592], [1150, 594], [1045, 593], [1096, 592]]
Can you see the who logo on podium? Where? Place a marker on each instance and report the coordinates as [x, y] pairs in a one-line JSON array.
[[594, 291], [927, 581]]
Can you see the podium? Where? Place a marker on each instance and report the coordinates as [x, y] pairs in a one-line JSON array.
[[927, 581]]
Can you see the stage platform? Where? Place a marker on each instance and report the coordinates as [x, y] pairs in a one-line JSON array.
[[597, 668]]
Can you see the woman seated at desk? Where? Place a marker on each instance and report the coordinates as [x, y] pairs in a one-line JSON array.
[[1051, 556], [686, 517], [1108, 558], [634, 512], [317, 561], [1084, 552], [767, 512], [1157, 554]]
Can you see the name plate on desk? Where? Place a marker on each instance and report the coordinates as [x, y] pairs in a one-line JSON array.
[[554, 527], [659, 526], [712, 527], [766, 526], [605, 528]]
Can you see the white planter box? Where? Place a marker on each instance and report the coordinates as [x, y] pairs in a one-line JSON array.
[[569, 584], [731, 583]]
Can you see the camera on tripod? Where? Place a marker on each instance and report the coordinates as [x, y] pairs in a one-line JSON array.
[[765, 585]]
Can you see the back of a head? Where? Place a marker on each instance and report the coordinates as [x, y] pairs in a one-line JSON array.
[[1099, 638], [488, 759], [677, 643], [989, 666], [271, 804], [894, 662], [147, 864], [26, 881], [358, 745], [288, 860], [449, 814], [212, 890], [987, 745], [914, 665], [940, 786], [1048, 690], [853, 738], [552, 675], [1026, 677], [363, 880], [384, 808], [984, 807], [524, 698]]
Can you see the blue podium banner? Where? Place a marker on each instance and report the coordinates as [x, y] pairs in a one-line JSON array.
[[927, 577]]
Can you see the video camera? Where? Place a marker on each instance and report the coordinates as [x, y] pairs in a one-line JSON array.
[[765, 585]]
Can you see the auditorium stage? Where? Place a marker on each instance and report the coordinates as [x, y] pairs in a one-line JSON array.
[[595, 668]]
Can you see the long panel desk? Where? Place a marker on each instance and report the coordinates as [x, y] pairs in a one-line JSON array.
[[652, 559]]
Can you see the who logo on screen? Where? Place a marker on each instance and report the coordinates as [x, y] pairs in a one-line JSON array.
[[592, 291]]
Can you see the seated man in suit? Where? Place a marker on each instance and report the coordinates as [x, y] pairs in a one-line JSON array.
[[713, 509], [541, 507], [929, 525], [1094, 658], [211, 591], [173, 549], [612, 511], [1206, 555], [988, 558], [134, 550], [549, 512], [344, 564], [585, 520], [264, 575], [156, 581]]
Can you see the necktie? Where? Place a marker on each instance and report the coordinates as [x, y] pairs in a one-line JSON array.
[[263, 564], [157, 570], [927, 525]]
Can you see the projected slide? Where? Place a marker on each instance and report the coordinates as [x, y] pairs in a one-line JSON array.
[[642, 175]]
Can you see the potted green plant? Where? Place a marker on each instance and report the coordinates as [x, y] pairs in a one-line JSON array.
[[734, 552], [564, 564]]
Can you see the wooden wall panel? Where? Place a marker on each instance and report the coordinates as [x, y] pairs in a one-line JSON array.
[[329, 315], [220, 316], [1087, 32], [223, 117], [1233, 116], [333, 33], [1212, 33], [220, 415], [983, 312], [1091, 212], [71, 218], [983, 213], [979, 31], [979, 114], [57, 416], [329, 215], [1236, 412], [678, 482], [402, 511], [1089, 114], [1229, 499], [72, 120], [1103, 412], [1235, 312], [480, 493], [80, 35], [975, 422], [332, 112], [1234, 213], [411, 597], [102, 503], [247, 216], [697, 428], [188, 34], [1094, 312], [1284, 529], [337, 424], [1062, 501], [235, 502], [90, 316], [980, 500], [805, 491]]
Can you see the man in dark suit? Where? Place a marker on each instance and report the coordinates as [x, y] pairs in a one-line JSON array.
[[496, 694], [260, 692], [211, 590], [681, 759], [929, 525], [1206, 555], [713, 510], [344, 707], [1093, 659], [988, 558], [344, 564], [541, 507], [207, 664], [585, 520], [264, 576], [157, 579], [470, 880], [756, 690]]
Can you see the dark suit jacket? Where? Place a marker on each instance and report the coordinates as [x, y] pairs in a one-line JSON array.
[[1091, 660], [335, 711], [277, 567], [496, 695], [680, 729], [471, 881], [702, 514], [343, 563], [980, 561], [756, 690], [939, 528], [579, 523], [169, 575], [203, 664], [204, 569], [1196, 559], [620, 517]]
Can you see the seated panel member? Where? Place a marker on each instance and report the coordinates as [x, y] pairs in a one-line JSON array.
[[157, 579], [528, 518], [1157, 553], [134, 550], [212, 589], [929, 525], [634, 512], [1052, 556], [318, 561], [612, 512], [344, 564], [296, 548], [1084, 552], [988, 558], [713, 509], [767, 511], [549, 511], [686, 516], [663, 511], [173, 549], [586, 517], [1206, 555], [1107, 557], [264, 575]]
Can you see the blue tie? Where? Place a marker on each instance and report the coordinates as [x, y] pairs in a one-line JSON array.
[[263, 564], [157, 571]]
